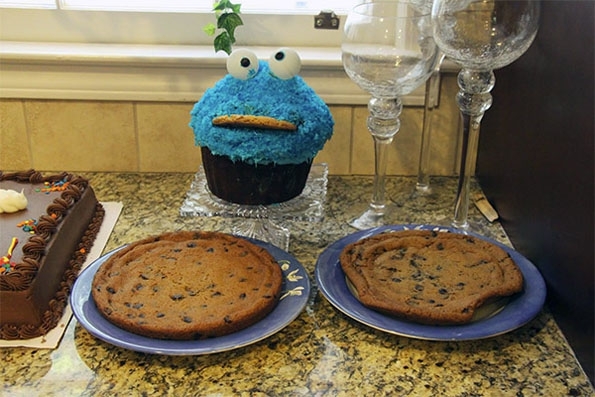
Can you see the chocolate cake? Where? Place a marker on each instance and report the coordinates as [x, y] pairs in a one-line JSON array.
[[43, 248], [429, 277], [187, 285]]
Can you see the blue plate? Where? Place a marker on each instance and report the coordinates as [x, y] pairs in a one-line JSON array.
[[296, 289], [517, 311]]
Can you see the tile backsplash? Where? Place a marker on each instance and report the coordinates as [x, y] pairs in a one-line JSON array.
[[121, 136]]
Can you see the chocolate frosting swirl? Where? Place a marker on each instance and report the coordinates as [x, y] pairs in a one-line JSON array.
[[47, 225], [34, 249]]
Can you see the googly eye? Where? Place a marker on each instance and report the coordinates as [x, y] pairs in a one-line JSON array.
[[285, 63], [242, 64]]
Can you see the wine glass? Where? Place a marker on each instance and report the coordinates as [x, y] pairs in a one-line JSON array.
[[480, 35], [387, 50]]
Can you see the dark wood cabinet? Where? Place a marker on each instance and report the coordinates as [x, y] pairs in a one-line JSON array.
[[535, 163]]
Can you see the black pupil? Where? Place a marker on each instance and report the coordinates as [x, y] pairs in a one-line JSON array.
[[245, 62], [279, 56]]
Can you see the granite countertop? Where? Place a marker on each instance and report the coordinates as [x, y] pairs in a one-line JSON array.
[[323, 352]]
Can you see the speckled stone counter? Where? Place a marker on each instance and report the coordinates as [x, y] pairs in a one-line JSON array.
[[322, 352]]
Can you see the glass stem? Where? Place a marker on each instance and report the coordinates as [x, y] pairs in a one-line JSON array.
[[432, 89], [378, 202], [473, 99], [383, 124], [471, 125]]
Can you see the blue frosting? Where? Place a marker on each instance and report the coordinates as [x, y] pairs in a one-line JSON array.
[[263, 95]]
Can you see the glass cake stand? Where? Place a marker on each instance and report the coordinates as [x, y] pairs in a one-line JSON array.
[[262, 222]]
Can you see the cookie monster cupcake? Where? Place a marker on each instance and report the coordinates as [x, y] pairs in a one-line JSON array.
[[259, 129]]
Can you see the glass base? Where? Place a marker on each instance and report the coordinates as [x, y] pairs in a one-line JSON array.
[[262, 222], [372, 217], [264, 230], [465, 227], [422, 189]]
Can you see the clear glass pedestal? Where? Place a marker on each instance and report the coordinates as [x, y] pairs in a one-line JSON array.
[[263, 222]]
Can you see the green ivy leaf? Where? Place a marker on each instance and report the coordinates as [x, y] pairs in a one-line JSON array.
[[223, 43], [209, 29], [226, 4], [229, 22], [228, 19], [235, 8]]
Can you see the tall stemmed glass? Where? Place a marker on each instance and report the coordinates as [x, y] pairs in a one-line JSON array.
[[480, 35], [388, 50], [422, 186]]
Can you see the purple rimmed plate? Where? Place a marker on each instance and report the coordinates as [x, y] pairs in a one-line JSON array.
[[516, 312], [296, 290]]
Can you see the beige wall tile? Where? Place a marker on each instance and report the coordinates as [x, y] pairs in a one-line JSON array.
[[166, 142], [155, 137], [337, 151], [403, 156], [82, 136], [445, 136], [15, 153]]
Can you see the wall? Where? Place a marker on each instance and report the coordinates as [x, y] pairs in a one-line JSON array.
[[57, 135], [536, 163]]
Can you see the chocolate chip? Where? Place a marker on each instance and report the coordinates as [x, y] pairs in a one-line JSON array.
[[186, 319], [227, 320], [111, 290], [176, 297]]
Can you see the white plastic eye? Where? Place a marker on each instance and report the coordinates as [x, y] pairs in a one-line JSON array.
[[242, 64], [285, 63]]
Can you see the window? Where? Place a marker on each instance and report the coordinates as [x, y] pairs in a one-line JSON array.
[[264, 6], [156, 49], [267, 22]]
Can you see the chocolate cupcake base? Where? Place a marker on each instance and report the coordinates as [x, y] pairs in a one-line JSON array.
[[242, 183]]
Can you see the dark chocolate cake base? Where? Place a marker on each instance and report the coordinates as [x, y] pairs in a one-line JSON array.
[[242, 183]]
